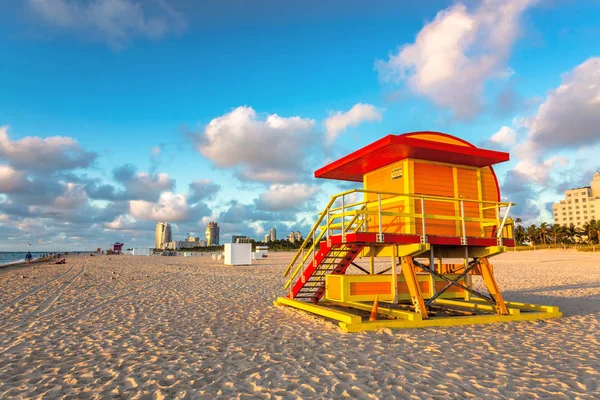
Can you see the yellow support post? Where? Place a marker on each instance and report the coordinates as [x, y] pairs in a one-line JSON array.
[[408, 270], [395, 273], [492, 286]]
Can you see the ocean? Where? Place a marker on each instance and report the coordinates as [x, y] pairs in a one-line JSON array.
[[10, 257]]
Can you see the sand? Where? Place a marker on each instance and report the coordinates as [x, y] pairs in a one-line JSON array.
[[175, 327]]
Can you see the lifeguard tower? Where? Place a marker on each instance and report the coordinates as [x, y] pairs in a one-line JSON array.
[[431, 203]]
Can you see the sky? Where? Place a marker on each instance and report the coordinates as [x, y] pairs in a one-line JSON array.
[[115, 114]]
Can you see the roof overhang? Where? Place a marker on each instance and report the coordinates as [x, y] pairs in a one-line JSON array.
[[393, 148]]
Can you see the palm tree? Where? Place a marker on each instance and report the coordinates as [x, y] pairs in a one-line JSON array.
[[594, 231], [590, 230], [557, 232], [518, 221], [573, 233], [520, 234], [544, 232], [532, 234]]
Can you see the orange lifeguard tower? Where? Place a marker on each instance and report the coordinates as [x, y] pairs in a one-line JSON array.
[[427, 197]]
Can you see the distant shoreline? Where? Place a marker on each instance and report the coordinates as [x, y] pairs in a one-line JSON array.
[[24, 262]]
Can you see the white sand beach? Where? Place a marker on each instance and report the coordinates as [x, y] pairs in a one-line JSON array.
[[175, 327]]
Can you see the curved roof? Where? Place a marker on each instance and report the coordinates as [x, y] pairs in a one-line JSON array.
[[425, 145]]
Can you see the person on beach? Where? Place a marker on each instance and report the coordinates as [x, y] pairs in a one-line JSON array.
[[28, 257]]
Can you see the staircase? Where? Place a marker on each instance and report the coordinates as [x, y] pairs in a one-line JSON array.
[[328, 260], [333, 242]]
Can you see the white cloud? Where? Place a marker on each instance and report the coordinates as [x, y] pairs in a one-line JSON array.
[[201, 189], [113, 21], [569, 118], [455, 54], [170, 207], [285, 197], [49, 154], [570, 115], [11, 180], [145, 182], [506, 137], [340, 121], [269, 150], [138, 185], [539, 171], [123, 223], [73, 196], [561, 142]]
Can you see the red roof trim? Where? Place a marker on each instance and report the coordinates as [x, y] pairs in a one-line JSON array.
[[393, 148]]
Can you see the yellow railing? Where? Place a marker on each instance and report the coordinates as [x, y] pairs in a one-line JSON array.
[[367, 215]]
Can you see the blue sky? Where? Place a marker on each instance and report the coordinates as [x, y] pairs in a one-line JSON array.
[[143, 98]]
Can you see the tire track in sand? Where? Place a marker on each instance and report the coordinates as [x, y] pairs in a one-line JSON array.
[[22, 319], [54, 296], [31, 291], [15, 346]]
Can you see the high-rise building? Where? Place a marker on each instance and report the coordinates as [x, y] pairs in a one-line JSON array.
[[241, 239], [295, 237], [272, 234], [212, 234], [163, 234], [267, 238], [580, 205]]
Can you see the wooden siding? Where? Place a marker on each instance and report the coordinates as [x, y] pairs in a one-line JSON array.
[[490, 192], [370, 288], [435, 180], [422, 177], [381, 180], [468, 189]]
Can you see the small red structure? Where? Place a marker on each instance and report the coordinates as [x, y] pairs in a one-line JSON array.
[[117, 248]]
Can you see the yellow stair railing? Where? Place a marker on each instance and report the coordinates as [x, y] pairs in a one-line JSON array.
[[339, 217]]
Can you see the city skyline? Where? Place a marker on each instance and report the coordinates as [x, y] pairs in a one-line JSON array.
[[112, 122]]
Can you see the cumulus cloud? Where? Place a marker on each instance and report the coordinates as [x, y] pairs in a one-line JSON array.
[[281, 197], [46, 194], [269, 150], [127, 223], [170, 207], [539, 170], [569, 118], [73, 196], [454, 55], [136, 185], [11, 180], [505, 137], [570, 115], [339, 121], [116, 22], [49, 154], [202, 189], [566, 122]]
